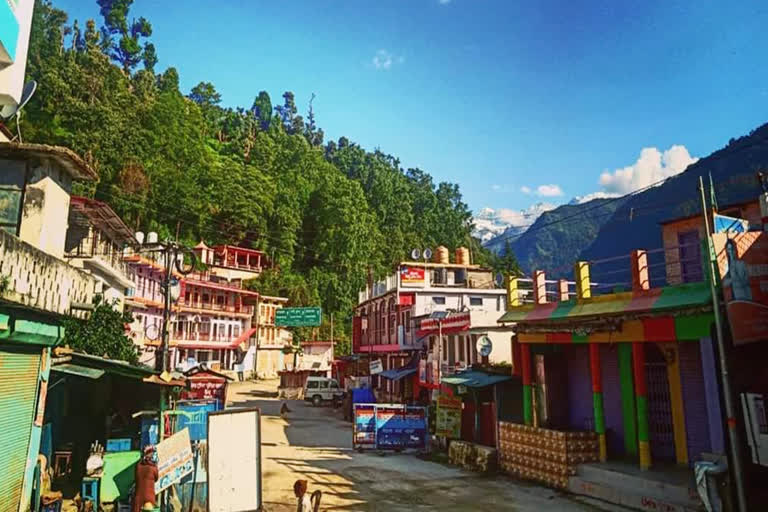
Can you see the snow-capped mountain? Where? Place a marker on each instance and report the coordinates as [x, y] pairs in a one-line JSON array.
[[490, 223]]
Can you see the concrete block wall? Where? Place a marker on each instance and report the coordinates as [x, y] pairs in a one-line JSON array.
[[37, 279]]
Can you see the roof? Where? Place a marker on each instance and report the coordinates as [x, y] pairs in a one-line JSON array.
[[196, 371], [655, 300], [698, 213], [201, 245], [398, 373], [475, 379], [86, 363], [235, 248], [65, 157], [276, 299], [101, 216], [317, 342], [430, 264]]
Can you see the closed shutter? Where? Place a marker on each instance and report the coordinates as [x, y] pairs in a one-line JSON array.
[[19, 368]]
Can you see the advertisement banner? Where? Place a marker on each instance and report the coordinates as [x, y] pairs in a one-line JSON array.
[[174, 460], [412, 276], [743, 263], [451, 324], [364, 431], [390, 427], [400, 427], [448, 417]]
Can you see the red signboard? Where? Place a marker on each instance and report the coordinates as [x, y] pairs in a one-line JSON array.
[[452, 323], [205, 389], [743, 263], [412, 276]]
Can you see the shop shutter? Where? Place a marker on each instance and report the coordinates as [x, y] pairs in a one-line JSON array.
[[19, 368], [694, 400]]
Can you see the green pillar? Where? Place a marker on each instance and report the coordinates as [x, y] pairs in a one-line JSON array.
[[628, 411]]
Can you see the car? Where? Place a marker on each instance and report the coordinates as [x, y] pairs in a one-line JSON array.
[[322, 389]]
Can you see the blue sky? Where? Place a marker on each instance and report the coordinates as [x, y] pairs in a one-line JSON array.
[[496, 95]]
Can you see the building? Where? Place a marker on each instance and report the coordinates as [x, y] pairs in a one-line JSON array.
[[396, 316], [145, 302], [96, 241], [636, 368], [15, 25], [316, 356], [37, 289], [270, 340]]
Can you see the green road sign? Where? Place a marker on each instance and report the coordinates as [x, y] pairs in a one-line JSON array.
[[298, 317]]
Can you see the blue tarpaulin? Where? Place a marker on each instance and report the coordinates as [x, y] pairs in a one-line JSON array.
[[397, 374], [363, 396], [474, 379]]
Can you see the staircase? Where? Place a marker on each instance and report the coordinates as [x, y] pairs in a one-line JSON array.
[[666, 489]]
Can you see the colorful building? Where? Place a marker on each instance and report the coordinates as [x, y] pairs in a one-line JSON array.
[[393, 319], [270, 340], [636, 367]]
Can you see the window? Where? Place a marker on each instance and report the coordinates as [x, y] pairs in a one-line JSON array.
[[438, 300], [690, 256], [12, 178], [323, 384], [475, 301]]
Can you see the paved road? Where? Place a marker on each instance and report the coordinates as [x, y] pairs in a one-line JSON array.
[[316, 445]]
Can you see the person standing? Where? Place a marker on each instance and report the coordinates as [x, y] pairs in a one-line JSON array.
[[146, 475]]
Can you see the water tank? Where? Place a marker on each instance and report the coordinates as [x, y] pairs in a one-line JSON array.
[[139, 237], [462, 256], [442, 255], [152, 237]]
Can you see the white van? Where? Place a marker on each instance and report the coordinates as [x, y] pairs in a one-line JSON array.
[[322, 389]]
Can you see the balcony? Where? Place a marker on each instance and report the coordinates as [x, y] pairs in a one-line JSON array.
[[39, 280], [215, 307]]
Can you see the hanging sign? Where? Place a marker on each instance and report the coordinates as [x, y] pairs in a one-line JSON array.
[[298, 317], [375, 366], [452, 323], [742, 261]]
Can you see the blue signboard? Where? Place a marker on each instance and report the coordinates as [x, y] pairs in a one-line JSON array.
[[725, 224], [390, 426]]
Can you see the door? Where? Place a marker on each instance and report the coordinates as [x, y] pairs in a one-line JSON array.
[[19, 370], [325, 391], [660, 427]]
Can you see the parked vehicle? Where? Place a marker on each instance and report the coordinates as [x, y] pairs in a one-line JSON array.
[[322, 389]]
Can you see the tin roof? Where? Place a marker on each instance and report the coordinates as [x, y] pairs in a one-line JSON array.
[[65, 157]]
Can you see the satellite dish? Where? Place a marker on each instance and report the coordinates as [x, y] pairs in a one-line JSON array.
[[484, 346], [415, 254], [427, 254], [11, 110]]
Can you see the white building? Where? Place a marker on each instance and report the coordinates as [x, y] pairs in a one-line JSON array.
[[15, 25]]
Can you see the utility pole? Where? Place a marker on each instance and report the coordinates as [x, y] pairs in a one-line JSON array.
[[332, 348], [730, 410]]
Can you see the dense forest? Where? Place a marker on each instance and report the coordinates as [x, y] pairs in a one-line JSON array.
[[326, 212]]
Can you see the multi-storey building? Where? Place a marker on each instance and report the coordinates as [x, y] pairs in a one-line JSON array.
[[270, 340], [423, 302]]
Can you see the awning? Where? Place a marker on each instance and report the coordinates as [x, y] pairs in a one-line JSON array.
[[397, 374], [475, 379], [657, 300], [78, 370]]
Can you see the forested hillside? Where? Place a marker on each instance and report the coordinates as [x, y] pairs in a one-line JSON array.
[[260, 175]]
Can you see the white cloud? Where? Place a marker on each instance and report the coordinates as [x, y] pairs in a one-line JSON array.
[[549, 190], [525, 190], [385, 60], [594, 195], [652, 166], [496, 187], [445, 2]]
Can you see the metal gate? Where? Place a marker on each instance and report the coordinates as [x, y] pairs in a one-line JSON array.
[[660, 424], [19, 370]]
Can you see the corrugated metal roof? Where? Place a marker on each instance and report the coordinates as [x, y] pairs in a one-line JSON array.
[[475, 379]]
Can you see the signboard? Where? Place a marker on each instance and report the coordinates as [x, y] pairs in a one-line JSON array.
[[364, 431], [452, 323], [412, 276], [375, 366], [725, 224], [206, 389], [743, 263], [234, 460], [390, 427], [448, 417], [174, 460], [298, 317]]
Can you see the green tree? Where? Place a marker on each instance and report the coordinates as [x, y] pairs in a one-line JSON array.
[[127, 50], [102, 334]]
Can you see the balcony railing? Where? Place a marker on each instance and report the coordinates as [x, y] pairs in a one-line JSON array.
[[213, 306]]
